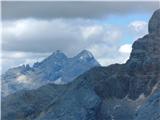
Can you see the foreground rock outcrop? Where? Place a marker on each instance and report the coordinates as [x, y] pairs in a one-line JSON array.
[[118, 92], [151, 109]]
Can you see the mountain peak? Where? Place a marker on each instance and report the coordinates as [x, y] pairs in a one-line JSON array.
[[58, 53], [154, 23], [85, 54], [57, 56]]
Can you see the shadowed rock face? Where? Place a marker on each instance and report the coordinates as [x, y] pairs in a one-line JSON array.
[[102, 93], [144, 62], [154, 23], [151, 109]]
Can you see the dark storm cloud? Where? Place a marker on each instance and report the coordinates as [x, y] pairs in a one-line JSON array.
[[50, 9]]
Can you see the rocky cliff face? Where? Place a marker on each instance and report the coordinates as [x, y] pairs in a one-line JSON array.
[[117, 92], [154, 23], [144, 62], [150, 110]]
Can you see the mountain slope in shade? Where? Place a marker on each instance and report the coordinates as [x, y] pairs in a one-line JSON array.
[[57, 68], [117, 92], [151, 109]]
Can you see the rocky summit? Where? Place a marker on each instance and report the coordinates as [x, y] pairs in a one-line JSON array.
[[57, 68], [129, 91]]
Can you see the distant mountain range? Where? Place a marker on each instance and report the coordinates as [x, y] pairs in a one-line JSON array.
[[57, 68], [129, 91]]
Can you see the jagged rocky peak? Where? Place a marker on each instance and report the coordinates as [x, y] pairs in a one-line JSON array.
[[57, 68], [85, 54], [58, 54], [154, 23]]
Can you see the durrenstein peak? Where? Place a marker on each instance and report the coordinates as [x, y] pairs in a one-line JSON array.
[[56, 68]]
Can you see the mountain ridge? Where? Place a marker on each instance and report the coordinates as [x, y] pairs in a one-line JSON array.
[[56, 68], [118, 92]]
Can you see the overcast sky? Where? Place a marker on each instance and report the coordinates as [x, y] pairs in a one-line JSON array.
[[33, 30]]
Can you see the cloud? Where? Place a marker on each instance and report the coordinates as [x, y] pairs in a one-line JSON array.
[[13, 58], [44, 27], [38, 38], [91, 31], [43, 36], [29, 35], [23, 79], [21, 55], [126, 48], [138, 26], [86, 9]]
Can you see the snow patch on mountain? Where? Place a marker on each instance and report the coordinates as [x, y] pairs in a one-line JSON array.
[[59, 81]]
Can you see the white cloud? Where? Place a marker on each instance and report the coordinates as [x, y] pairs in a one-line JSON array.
[[17, 28], [88, 31], [12, 59], [31, 35], [22, 55], [17, 55], [137, 29], [23, 79], [118, 59], [138, 25], [25, 41], [126, 48], [70, 36]]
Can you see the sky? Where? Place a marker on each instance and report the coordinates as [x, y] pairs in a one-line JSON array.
[[33, 30]]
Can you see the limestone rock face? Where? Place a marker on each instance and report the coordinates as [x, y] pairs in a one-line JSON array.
[[102, 93], [154, 23], [144, 62], [151, 109]]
